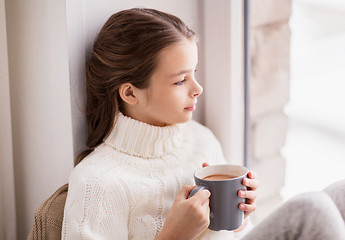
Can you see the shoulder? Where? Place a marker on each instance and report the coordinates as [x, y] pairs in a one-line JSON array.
[[96, 173], [93, 166]]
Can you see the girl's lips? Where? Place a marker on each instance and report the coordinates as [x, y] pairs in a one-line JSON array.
[[191, 108]]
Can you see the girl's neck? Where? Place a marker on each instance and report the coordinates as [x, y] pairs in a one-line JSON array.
[[133, 113]]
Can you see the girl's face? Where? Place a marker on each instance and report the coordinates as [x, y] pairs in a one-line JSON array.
[[172, 94]]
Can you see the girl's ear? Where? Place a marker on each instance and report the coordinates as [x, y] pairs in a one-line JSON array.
[[128, 93]]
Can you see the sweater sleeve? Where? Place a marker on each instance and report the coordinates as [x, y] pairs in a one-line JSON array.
[[96, 208]]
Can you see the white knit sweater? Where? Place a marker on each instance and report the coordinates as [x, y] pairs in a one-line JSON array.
[[125, 188]]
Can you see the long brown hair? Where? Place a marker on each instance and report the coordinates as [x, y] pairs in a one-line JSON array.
[[125, 51]]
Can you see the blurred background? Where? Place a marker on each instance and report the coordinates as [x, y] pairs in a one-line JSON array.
[[315, 144], [297, 76]]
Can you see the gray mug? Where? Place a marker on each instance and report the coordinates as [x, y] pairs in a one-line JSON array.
[[224, 201]]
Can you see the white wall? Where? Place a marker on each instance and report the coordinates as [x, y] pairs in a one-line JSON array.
[[40, 102], [7, 197]]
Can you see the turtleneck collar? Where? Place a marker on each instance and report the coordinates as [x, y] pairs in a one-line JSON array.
[[143, 140]]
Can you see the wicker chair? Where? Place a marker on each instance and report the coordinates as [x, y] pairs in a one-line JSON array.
[[49, 216]]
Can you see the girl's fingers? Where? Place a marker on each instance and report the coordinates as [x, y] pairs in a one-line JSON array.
[[252, 184], [185, 191], [251, 195], [252, 174], [247, 207], [202, 196], [205, 164]]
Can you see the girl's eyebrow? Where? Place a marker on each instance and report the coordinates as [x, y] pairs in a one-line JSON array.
[[183, 72], [180, 73]]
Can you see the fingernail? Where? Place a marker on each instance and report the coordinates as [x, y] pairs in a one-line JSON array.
[[242, 193]]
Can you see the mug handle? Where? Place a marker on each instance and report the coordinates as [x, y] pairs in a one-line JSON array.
[[195, 190]]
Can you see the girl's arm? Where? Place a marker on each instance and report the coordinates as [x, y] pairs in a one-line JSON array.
[[188, 217]]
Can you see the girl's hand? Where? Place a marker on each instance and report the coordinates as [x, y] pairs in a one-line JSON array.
[[250, 194], [188, 217]]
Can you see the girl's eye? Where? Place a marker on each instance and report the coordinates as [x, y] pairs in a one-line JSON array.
[[180, 82]]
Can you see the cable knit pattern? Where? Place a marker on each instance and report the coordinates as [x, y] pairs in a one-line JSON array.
[[125, 188]]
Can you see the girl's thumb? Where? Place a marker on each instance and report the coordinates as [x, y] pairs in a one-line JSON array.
[[185, 191]]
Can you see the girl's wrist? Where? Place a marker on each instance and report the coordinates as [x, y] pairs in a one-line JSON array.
[[161, 236], [164, 235]]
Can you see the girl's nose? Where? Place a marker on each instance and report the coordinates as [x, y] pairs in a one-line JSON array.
[[198, 90]]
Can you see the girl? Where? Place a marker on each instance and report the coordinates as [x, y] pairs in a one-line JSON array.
[[134, 179]]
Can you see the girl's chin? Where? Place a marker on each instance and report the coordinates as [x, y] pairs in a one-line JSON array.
[[186, 118], [182, 119]]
